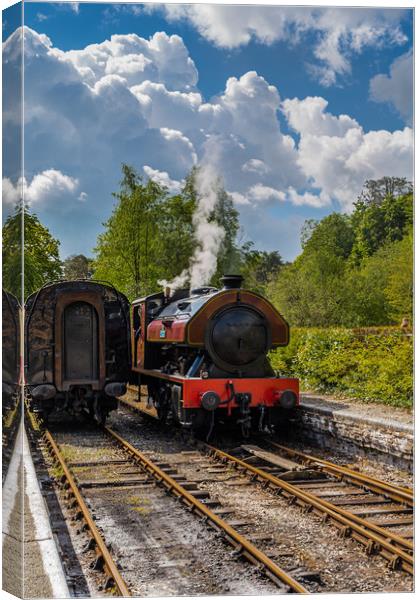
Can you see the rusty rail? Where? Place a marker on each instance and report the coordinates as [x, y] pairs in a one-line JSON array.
[[240, 543], [114, 576], [397, 550], [397, 493]]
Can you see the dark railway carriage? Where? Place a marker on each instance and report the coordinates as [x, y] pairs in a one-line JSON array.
[[203, 356], [77, 347], [10, 348]]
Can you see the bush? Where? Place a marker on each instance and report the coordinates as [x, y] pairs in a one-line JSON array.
[[371, 365]]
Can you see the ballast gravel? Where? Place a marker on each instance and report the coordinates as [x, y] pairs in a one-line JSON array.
[[301, 542], [159, 546]]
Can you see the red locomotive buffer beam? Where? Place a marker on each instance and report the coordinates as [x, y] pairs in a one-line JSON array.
[[282, 392]]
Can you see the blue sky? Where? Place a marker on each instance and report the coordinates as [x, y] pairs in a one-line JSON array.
[[274, 131], [280, 63]]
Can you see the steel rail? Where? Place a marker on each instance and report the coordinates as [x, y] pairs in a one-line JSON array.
[[398, 493], [240, 543], [372, 536], [108, 562]]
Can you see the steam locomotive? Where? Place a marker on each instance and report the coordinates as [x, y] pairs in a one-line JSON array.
[[203, 356], [77, 344]]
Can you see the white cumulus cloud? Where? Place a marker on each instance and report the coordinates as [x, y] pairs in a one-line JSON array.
[[332, 35], [11, 193], [309, 115], [397, 87], [337, 156], [44, 187], [162, 58], [162, 178], [136, 101]]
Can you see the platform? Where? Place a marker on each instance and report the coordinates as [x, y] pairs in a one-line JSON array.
[[36, 562], [385, 432]]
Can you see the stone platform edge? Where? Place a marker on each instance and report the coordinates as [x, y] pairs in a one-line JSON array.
[[330, 426], [309, 402]]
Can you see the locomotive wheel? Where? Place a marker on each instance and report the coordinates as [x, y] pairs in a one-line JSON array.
[[101, 415], [280, 419], [246, 430], [162, 413], [203, 424], [161, 401]]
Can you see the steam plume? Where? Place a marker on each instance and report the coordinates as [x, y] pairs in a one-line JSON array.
[[209, 235]]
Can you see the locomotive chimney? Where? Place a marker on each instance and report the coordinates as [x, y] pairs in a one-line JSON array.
[[231, 282]]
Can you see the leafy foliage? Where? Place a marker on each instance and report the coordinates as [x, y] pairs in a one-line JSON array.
[[375, 366], [259, 267], [310, 290], [150, 235], [399, 287], [376, 224], [41, 253], [126, 251], [354, 270], [77, 266], [375, 190]]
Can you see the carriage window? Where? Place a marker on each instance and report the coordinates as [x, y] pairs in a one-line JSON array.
[[80, 342]]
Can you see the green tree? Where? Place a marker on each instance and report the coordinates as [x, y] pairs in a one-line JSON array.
[[375, 190], [365, 302], [333, 234], [126, 251], [227, 217], [176, 234], [354, 270], [77, 266], [259, 267], [310, 292], [41, 253], [377, 223], [399, 288]]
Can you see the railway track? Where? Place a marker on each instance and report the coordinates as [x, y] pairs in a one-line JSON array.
[[75, 501], [403, 494], [10, 425], [107, 468], [374, 513], [335, 500]]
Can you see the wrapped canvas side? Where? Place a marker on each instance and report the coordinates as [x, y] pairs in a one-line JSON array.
[[12, 432]]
